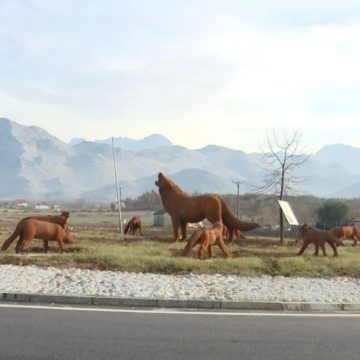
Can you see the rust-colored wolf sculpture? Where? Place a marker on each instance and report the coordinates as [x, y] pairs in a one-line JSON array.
[[56, 219], [347, 232], [184, 208], [133, 225], [193, 241], [44, 230], [318, 238], [207, 238]]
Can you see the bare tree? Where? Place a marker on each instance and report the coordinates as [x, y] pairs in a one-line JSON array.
[[281, 156]]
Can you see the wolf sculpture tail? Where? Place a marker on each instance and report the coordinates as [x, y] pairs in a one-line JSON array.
[[231, 222], [12, 237]]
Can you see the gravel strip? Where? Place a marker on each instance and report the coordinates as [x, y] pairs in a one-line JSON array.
[[35, 280]]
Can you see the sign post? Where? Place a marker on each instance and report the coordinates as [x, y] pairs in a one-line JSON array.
[[290, 216], [287, 211]]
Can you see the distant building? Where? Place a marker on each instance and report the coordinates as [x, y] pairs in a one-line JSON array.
[[114, 206], [355, 221], [162, 219], [21, 203], [42, 206]]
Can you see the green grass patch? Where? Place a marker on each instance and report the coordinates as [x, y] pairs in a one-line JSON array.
[[251, 257]]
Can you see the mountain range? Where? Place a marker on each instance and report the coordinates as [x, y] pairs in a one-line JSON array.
[[36, 165], [152, 141]]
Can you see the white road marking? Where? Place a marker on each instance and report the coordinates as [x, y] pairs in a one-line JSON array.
[[162, 311]]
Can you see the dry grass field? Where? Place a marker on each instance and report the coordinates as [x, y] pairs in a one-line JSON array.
[[100, 246]]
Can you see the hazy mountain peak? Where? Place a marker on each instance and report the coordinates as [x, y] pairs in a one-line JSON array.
[[4, 120], [152, 141], [76, 141], [217, 149], [334, 148], [342, 154], [212, 148]]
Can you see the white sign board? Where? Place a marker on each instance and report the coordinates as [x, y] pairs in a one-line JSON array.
[[287, 211]]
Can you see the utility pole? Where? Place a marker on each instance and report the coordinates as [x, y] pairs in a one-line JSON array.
[[117, 189], [121, 226], [120, 187], [120, 198], [237, 183]]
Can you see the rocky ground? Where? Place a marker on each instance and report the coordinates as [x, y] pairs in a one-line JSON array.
[[32, 279]]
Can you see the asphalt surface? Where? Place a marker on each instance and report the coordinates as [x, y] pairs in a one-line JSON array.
[[89, 333]]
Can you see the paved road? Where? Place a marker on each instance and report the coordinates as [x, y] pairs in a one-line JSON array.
[[38, 333]]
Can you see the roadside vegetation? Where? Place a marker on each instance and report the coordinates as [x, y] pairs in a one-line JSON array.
[[99, 246], [254, 256]]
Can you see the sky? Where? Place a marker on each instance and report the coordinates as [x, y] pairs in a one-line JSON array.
[[196, 71]]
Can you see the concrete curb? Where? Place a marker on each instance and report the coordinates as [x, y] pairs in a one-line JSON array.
[[179, 304]]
